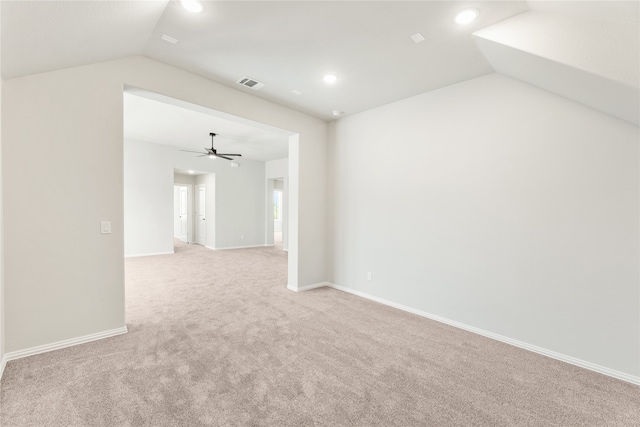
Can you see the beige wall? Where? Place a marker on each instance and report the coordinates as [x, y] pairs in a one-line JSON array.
[[63, 278]]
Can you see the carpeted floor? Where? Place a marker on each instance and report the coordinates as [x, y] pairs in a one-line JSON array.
[[215, 338]]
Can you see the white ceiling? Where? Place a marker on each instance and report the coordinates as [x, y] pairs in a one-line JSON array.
[[291, 44], [604, 10], [39, 36], [285, 44], [187, 127], [594, 62]]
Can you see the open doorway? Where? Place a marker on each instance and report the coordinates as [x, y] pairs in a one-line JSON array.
[[163, 135], [277, 203], [194, 207], [277, 213]]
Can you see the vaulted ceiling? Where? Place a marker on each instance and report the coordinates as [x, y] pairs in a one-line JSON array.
[[587, 51]]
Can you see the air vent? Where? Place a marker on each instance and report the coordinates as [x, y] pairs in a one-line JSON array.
[[250, 83]]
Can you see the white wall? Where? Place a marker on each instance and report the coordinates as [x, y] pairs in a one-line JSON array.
[[498, 205], [52, 216], [179, 178], [276, 168], [239, 204], [148, 199], [234, 197]]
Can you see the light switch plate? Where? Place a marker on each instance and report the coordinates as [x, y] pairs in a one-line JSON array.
[[105, 227]]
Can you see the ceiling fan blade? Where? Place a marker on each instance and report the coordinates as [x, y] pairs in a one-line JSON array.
[[189, 151], [224, 157], [227, 154]]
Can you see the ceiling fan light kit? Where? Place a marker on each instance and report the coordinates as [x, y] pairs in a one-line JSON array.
[[212, 153]]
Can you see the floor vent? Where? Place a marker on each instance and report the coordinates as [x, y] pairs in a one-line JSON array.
[[250, 83]]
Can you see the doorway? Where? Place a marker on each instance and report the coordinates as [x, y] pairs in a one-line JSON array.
[[182, 213], [277, 213], [149, 230]]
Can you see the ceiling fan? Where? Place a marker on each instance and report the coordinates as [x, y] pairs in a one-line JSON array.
[[212, 153]]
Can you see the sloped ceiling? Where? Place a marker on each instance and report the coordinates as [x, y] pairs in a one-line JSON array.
[[291, 45], [593, 61], [584, 50], [288, 45], [41, 36]]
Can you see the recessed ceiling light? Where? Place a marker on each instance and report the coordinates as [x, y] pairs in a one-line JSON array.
[[192, 5], [466, 16], [417, 37], [337, 113], [169, 39], [296, 91], [330, 78]]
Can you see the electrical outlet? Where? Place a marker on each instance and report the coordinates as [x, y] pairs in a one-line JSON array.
[[105, 227], [369, 275]]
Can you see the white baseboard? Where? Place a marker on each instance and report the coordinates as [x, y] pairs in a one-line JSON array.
[[296, 288], [237, 247], [543, 351], [62, 344], [149, 254]]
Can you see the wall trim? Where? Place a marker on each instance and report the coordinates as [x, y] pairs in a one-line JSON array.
[[530, 347], [150, 254], [236, 247], [296, 288], [63, 344]]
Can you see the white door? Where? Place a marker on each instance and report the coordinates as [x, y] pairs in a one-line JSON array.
[[184, 214], [200, 215]]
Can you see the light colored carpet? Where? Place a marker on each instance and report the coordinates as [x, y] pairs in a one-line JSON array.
[[216, 339]]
